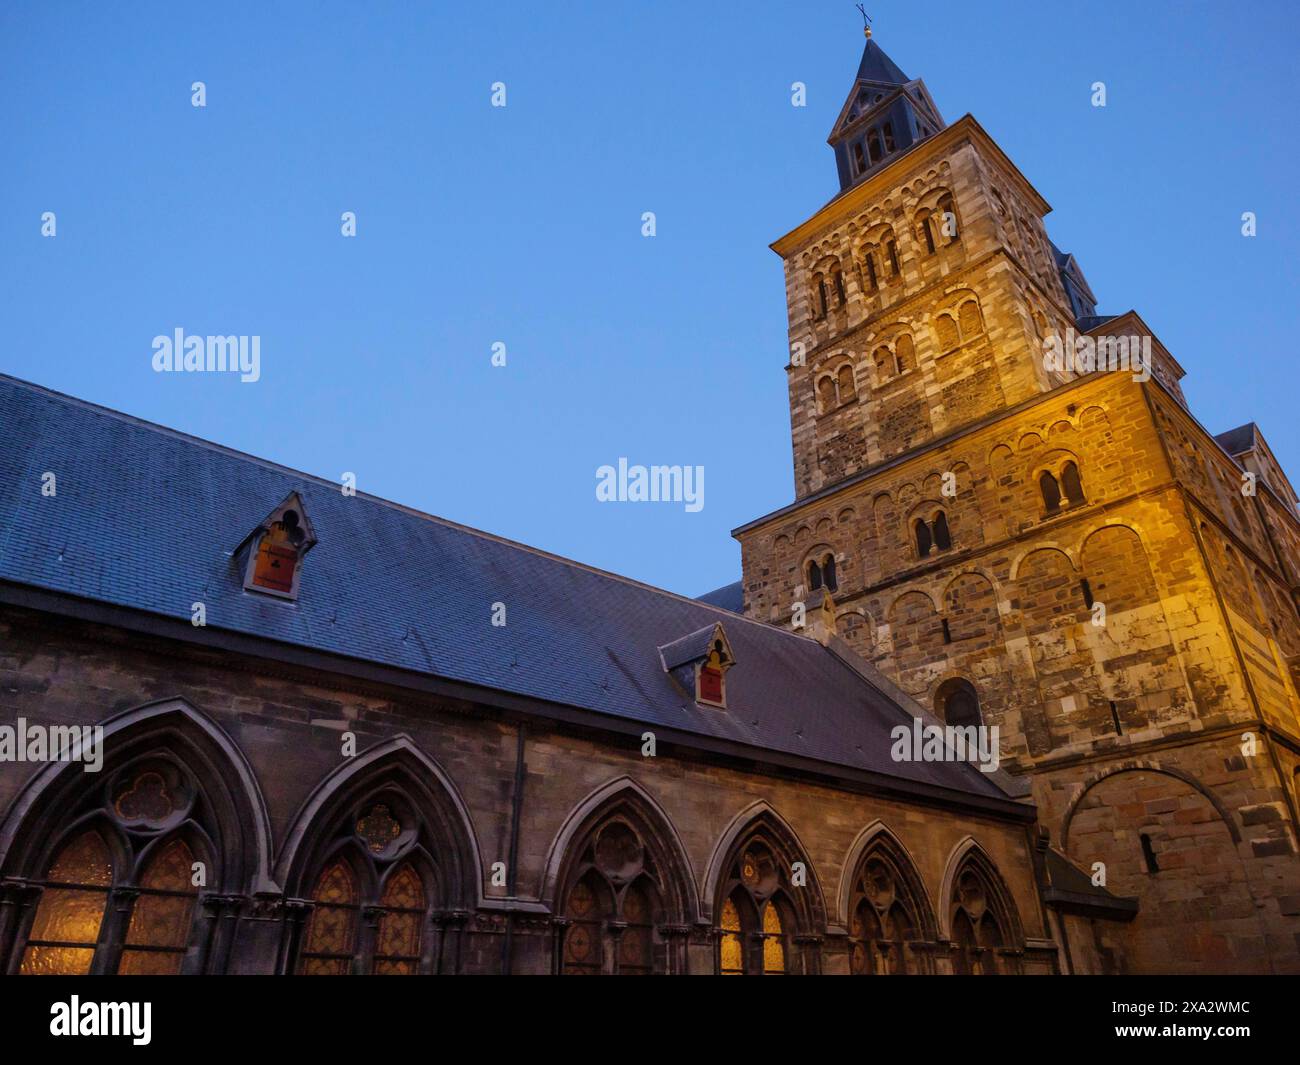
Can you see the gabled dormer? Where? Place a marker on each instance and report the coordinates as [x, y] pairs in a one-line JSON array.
[[885, 114], [699, 662], [275, 550]]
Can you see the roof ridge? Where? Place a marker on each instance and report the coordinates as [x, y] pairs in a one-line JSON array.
[[381, 501]]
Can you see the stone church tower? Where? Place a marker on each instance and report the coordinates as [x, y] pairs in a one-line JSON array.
[[1057, 549]]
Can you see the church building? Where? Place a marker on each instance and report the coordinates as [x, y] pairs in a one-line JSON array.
[[254, 721]]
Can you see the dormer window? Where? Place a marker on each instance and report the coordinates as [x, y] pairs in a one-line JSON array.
[[276, 549], [699, 663]]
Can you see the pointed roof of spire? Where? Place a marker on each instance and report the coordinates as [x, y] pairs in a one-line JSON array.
[[876, 66]]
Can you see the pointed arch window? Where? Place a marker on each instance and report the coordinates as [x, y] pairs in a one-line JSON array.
[[756, 915], [397, 951], [141, 844], [885, 917], [69, 918], [163, 914], [614, 909], [980, 919], [331, 939]]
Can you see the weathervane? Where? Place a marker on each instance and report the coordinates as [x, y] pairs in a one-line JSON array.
[[866, 21]]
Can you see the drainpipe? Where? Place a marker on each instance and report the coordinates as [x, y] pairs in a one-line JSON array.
[[512, 877]]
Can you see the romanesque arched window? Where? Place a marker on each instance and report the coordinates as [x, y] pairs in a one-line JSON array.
[[826, 397], [847, 389], [888, 915], [828, 572], [1071, 484], [1051, 491], [904, 354], [945, 330], [948, 219], [939, 528], [869, 263], [931, 533], [891, 250], [968, 317], [819, 283], [766, 898], [925, 229], [958, 703], [621, 895], [923, 541], [814, 576], [985, 935], [837, 279]]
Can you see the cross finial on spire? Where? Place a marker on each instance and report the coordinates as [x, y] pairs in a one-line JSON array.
[[866, 22]]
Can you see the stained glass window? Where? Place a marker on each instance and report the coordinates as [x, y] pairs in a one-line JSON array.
[[773, 941], [397, 951], [162, 916], [66, 928], [332, 928], [733, 954], [583, 950], [636, 945]]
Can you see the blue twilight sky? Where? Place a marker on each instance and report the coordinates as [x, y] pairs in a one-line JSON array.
[[522, 225]]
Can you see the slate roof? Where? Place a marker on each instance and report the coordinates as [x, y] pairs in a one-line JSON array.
[[876, 66], [147, 518], [1237, 440], [729, 597]]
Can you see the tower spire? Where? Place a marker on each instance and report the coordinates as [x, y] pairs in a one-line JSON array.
[[886, 112]]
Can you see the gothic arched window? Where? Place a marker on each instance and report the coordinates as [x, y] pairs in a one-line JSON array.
[[756, 916], [984, 934], [887, 914], [614, 909], [330, 942], [140, 848], [68, 920]]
